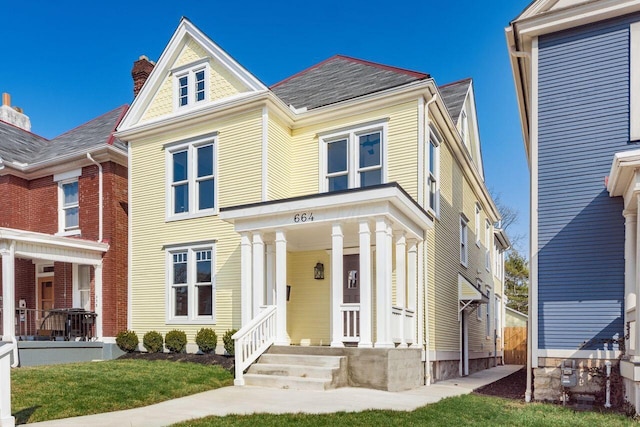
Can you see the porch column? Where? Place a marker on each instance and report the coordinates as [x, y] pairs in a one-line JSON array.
[[636, 357], [630, 243], [401, 283], [365, 285], [337, 239], [245, 277], [8, 253], [271, 278], [281, 288], [97, 274], [258, 273], [383, 283], [412, 283]]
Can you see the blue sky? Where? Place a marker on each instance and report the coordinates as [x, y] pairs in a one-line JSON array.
[[67, 62]]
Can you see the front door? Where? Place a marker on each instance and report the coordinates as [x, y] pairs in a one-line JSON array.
[[45, 293], [351, 281]]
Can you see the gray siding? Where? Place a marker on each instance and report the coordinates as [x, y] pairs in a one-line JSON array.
[[583, 120]]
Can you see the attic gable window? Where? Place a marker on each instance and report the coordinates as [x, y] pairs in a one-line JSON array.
[[191, 85]]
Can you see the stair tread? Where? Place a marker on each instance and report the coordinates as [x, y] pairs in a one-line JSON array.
[[288, 378]]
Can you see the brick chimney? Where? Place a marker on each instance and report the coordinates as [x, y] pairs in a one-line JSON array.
[[13, 115], [140, 72]]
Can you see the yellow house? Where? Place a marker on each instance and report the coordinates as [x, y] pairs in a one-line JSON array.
[[339, 213]]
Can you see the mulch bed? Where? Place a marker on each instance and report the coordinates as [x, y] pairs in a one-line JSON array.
[[510, 387], [227, 362]]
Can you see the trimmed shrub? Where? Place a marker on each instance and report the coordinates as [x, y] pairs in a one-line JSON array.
[[207, 340], [176, 341], [152, 341], [127, 341], [229, 344]]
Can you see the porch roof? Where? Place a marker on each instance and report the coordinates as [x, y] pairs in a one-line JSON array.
[[313, 215], [47, 247], [468, 293]]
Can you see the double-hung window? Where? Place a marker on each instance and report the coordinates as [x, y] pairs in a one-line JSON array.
[[353, 158], [190, 283], [433, 171], [477, 224], [191, 178], [488, 321], [487, 245], [464, 247], [68, 202], [190, 83]]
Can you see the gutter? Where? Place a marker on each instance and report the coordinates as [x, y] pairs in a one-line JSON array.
[[100, 196]]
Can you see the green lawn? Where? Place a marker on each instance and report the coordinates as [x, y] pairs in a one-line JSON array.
[[468, 410], [60, 391]]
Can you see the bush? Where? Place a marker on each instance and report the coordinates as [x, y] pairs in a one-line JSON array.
[[127, 341], [176, 341], [229, 344], [152, 341], [207, 340]]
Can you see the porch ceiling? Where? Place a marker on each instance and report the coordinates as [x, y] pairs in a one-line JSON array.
[[308, 219]]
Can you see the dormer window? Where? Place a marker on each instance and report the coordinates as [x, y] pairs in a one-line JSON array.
[[191, 84]]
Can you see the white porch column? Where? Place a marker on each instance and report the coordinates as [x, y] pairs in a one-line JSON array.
[[271, 275], [337, 239], [245, 277], [8, 291], [365, 285], [630, 244], [383, 283], [636, 357], [281, 288], [401, 282], [412, 284], [258, 273], [97, 274]]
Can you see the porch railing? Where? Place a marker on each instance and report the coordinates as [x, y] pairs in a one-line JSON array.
[[253, 339], [68, 324], [402, 325], [350, 322]]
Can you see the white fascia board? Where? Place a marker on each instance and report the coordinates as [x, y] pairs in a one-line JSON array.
[[13, 234], [622, 169], [521, 83]]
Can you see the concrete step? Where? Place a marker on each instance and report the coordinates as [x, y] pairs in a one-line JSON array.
[[300, 371], [286, 382], [306, 360]]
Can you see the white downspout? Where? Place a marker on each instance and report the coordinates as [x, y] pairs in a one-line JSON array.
[[100, 208]]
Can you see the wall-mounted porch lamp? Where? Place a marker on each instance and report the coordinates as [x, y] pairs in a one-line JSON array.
[[318, 271]]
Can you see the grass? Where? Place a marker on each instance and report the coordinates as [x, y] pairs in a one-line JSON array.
[[468, 410], [60, 391]]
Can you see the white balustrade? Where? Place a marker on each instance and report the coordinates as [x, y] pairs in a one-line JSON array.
[[253, 339], [350, 314]]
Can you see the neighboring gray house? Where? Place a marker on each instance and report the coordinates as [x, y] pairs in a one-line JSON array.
[[575, 65]]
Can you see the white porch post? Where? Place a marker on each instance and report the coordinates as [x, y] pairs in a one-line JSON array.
[[636, 357], [365, 285], [412, 283], [6, 419], [281, 288], [630, 243], [401, 282], [383, 283], [98, 301], [258, 273], [337, 239], [245, 277], [271, 275], [8, 291]]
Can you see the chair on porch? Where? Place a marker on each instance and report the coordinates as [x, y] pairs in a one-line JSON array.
[[52, 326]]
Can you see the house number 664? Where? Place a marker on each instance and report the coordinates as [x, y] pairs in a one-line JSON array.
[[303, 217]]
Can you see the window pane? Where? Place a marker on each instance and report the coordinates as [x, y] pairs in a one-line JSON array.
[[71, 217], [181, 198], [180, 268], [370, 150], [370, 178], [70, 191], [180, 166], [181, 295], [205, 194], [338, 183], [432, 193], [183, 81], [205, 160], [337, 156], [199, 85], [205, 300], [432, 158], [203, 265]]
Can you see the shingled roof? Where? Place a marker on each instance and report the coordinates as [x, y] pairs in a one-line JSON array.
[[453, 95], [18, 145], [340, 78]]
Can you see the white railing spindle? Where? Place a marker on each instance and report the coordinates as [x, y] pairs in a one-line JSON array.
[[253, 339]]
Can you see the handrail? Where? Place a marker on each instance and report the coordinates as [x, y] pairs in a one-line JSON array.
[[253, 339]]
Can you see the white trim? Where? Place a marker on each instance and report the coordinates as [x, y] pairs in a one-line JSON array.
[[422, 160], [436, 138], [634, 75], [265, 154], [533, 256], [463, 226], [69, 175], [477, 210], [129, 240], [63, 230], [189, 71]]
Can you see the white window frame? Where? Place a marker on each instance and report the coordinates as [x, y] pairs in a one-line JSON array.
[[479, 315], [477, 210], [497, 315], [488, 313], [77, 289], [464, 128], [487, 245], [434, 140], [464, 240], [191, 147], [634, 83], [63, 179], [192, 286], [353, 168], [190, 71]]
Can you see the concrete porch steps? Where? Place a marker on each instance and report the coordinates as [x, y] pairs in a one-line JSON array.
[[298, 372]]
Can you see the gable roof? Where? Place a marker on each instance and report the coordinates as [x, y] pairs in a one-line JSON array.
[[19, 146], [340, 78], [454, 95]]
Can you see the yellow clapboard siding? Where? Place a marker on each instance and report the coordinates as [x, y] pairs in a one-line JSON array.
[[279, 160]]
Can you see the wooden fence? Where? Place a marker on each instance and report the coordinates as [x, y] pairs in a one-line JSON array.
[[515, 345]]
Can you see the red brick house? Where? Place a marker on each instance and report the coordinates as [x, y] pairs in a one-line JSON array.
[[63, 234]]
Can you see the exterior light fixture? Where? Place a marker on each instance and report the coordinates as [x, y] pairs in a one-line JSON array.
[[318, 271]]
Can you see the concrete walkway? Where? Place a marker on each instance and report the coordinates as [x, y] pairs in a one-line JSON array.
[[248, 400]]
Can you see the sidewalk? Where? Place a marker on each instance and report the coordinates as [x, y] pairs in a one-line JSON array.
[[248, 400]]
